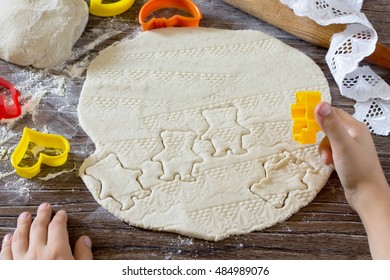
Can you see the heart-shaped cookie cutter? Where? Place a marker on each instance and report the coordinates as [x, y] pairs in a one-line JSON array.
[[100, 9], [43, 140], [9, 111], [305, 125], [177, 20]]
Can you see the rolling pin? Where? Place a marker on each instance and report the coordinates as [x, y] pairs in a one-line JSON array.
[[281, 16]]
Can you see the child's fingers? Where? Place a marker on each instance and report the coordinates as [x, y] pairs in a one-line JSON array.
[[352, 125], [58, 231], [6, 251], [333, 126], [38, 231], [358, 130], [325, 151], [82, 249], [20, 239]]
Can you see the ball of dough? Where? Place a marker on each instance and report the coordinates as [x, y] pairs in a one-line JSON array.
[[40, 33]]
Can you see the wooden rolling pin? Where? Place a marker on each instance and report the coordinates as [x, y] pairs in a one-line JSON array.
[[281, 16]]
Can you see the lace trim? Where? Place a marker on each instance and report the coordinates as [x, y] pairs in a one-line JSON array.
[[347, 49]]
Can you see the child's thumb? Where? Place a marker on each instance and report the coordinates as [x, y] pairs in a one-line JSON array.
[[331, 124]]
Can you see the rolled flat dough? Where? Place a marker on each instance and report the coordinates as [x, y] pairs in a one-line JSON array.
[[40, 33], [193, 131]]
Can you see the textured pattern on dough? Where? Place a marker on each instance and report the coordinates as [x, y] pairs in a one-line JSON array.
[[193, 131]]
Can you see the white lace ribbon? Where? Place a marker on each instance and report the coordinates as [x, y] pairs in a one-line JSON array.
[[347, 49]]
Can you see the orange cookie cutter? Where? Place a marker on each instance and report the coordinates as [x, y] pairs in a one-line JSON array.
[[41, 140], [9, 111], [305, 125], [177, 20]]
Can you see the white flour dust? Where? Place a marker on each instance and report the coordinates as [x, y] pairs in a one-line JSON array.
[[52, 176], [49, 99]]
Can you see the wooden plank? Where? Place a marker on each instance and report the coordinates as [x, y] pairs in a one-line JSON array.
[[281, 16]]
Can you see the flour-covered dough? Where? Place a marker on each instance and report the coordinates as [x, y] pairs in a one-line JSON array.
[[40, 33], [192, 129]]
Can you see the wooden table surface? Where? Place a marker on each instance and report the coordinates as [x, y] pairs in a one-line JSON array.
[[326, 229]]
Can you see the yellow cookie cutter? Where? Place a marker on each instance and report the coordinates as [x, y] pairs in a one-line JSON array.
[[97, 8], [42, 140], [305, 125]]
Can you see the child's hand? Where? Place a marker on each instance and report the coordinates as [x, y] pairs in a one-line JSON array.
[[350, 149], [44, 238]]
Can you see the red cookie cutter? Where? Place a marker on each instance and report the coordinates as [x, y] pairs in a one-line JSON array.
[[176, 20], [8, 110]]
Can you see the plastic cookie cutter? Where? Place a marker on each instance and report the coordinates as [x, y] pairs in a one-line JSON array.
[[100, 9], [177, 20], [52, 149], [9, 109], [305, 125]]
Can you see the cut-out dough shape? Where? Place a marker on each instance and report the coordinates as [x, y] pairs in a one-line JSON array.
[[117, 182], [177, 156], [283, 175], [217, 105], [224, 132]]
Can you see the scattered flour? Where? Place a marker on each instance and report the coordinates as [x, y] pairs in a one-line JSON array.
[[77, 70], [51, 176], [6, 174], [49, 99]]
